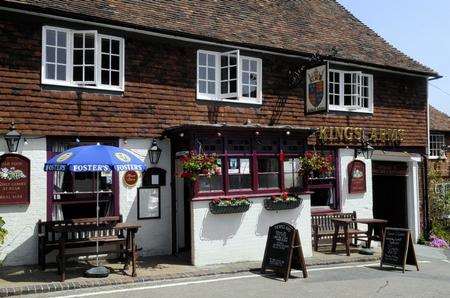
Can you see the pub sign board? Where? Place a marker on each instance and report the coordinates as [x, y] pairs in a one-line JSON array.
[[14, 179], [356, 171], [283, 251], [316, 89], [398, 249]]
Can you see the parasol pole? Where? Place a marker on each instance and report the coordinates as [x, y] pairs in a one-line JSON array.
[[97, 212]]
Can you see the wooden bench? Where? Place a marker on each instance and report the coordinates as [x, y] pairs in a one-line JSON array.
[[77, 233], [324, 228]]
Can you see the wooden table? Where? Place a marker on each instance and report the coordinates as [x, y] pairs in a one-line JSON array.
[[130, 245], [371, 223], [345, 223]]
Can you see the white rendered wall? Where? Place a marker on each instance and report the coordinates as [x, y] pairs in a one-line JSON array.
[[155, 235], [226, 238], [362, 203], [20, 246]]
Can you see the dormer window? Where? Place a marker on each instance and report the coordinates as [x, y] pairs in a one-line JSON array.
[[83, 59], [229, 77], [350, 91]]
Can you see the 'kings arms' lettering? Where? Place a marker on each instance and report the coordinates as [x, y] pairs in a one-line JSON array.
[[331, 134]]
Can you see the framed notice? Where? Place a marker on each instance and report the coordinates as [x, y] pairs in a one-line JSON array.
[[14, 179], [356, 171], [317, 89], [149, 203]]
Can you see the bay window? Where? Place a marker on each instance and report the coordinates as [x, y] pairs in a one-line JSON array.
[[437, 143], [350, 91], [229, 77], [82, 59]]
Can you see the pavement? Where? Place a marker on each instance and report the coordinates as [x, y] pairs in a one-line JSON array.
[[364, 279], [29, 279]]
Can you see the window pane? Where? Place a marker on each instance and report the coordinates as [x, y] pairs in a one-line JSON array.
[[62, 39], [115, 78], [322, 197], [105, 61], [214, 183], [78, 40], [224, 87], [239, 173], [50, 71], [202, 86], [245, 91], [224, 74], [245, 78], [105, 77], [245, 65], [202, 59], [202, 73], [61, 55], [291, 176], [61, 72], [211, 87], [268, 172], [115, 62], [78, 73], [78, 57], [211, 60], [233, 72], [211, 73], [89, 40], [105, 45], [115, 47], [233, 86], [239, 145], [50, 52], [253, 66], [51, 37], [89, 73], [253, 91], [253, 79], [89, 57]]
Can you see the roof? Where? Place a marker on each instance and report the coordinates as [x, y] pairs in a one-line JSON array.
[[298, 26], [439, 121]]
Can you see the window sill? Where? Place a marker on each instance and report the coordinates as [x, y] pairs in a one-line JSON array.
[[241, 101], [333, 108], [250, 196], [437, 157], [76, 86]]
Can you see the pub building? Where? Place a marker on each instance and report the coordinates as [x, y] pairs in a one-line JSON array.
[[258, 86]]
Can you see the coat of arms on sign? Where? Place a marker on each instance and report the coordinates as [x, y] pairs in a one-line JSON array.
[[316, 89]]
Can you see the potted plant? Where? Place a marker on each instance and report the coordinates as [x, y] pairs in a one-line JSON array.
[[282, 202], [314, 164], [195, 164], [229, 205]]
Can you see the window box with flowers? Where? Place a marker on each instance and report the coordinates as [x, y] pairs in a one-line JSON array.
[[314, 165], [195, 164], [227, 206], [282, 202]]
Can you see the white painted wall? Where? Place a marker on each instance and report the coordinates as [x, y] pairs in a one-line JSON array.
[[155, 235], [226, 238], [362, 203], [20, 246]]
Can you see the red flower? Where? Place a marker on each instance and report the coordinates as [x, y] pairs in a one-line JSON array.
[[309, 154], [216, 200], [329, 158]]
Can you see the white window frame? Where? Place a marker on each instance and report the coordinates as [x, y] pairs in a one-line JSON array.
[[69, 61], [356, 106], [239, 99], [434, 140]]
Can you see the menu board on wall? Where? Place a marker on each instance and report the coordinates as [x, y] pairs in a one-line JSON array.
[[149, 201], [14, 179], [356, 171]]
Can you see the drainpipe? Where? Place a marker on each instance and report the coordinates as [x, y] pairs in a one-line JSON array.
[[426, 219]]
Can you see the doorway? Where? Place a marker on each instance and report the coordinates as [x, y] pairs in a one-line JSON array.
[[183, 216], [390, 193]]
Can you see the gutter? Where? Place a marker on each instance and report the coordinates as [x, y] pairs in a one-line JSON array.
[[200, 41]]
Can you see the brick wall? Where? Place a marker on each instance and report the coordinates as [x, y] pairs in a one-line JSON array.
[[160, 93]]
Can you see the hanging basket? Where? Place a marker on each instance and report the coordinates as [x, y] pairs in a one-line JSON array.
[[270, 204], [216, 209]]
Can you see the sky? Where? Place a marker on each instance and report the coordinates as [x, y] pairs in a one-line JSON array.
[[418, 28]]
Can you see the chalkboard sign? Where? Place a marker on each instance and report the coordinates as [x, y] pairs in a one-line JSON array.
[[283, 251], [398, 248]]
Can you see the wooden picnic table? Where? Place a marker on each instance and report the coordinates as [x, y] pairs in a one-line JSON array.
[[130, 250], [344, 223]]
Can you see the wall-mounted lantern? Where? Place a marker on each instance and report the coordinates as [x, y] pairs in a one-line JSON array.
[[366, 150], [154, 153], [12, 138]]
